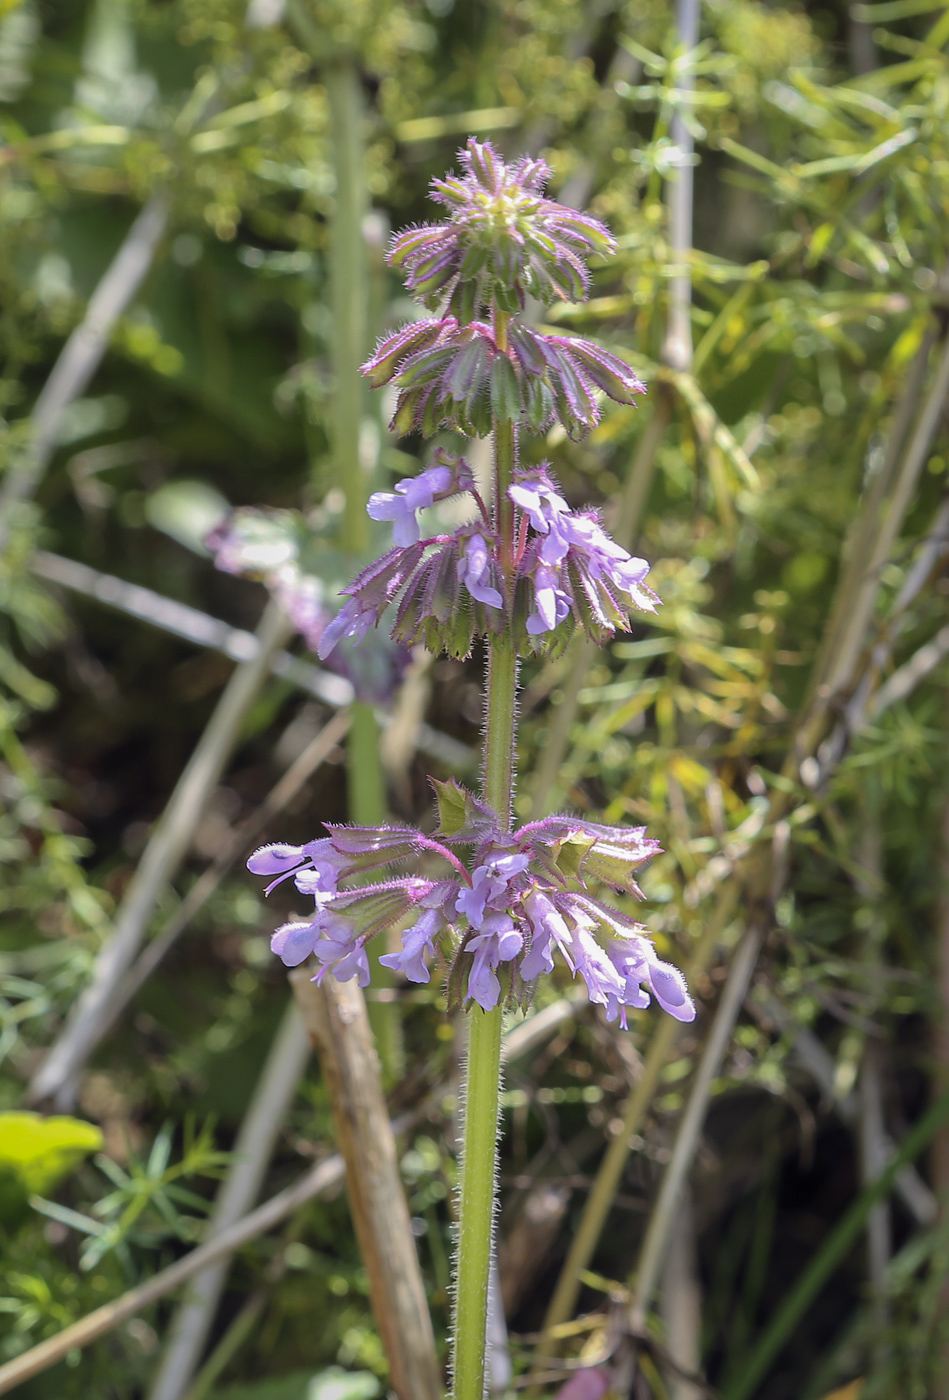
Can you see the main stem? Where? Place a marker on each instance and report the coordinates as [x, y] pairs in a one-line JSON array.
[[479, 1159]]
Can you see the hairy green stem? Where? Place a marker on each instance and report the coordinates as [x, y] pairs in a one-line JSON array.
[[483, 1080], [476, 1205]]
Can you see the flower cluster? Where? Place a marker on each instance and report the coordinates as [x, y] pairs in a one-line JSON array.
[[498, 924], [568, 572], [503, 239], [266, 545], [279, 549], [457, 376], [573, 565]]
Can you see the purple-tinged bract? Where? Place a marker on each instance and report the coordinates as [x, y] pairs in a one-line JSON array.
[[503, 240], [461, 379]]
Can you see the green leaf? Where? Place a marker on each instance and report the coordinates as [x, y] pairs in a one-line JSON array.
[[505, 391], [460, 814], [41, 1151], [452, 806], [64, 1216]]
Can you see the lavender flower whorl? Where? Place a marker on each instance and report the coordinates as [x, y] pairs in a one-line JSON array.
[[499, 928]]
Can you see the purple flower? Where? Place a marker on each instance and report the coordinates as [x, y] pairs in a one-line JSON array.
[[584, 955], [317, 861], [524, 903], [499, 940], [636, 961], [534, 493], [573, 565], [418, 944], [547, 926], [293, 943], [342, 951], [551, 603], [276, 859], [413, 494], [475, 570], [491, 884], [604, 562]]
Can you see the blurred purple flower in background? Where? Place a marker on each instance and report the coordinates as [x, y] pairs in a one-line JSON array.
[[591, 1383]]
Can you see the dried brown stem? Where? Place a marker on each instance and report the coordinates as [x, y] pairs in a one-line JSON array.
[[335, 1016], [653, 1252]]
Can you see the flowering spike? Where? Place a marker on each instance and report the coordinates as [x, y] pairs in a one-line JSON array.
[[504, 240], [525, 901], [506, 905]]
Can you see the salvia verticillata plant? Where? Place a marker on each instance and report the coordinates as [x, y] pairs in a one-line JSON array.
[[523, 574]]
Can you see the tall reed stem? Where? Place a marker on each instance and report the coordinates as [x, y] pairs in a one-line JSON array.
[[348, 294]]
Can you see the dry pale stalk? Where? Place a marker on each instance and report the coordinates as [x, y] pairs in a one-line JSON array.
[[335, 1016], [82, 354], [654, 1247], [58, 1075], [681, 1301]]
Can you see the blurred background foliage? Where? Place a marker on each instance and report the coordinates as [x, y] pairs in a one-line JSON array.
[[819, 290]]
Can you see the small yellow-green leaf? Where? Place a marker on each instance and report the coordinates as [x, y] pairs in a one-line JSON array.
[[41, 1151]]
